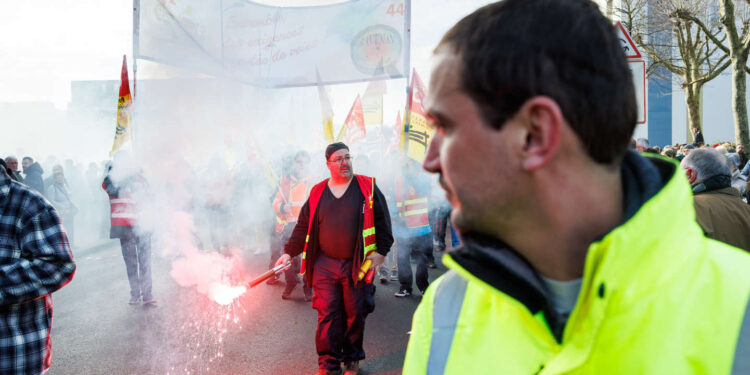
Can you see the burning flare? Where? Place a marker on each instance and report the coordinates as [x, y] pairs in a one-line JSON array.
[[225, 294]]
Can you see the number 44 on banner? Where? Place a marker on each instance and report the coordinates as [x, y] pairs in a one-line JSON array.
[[395, 9]]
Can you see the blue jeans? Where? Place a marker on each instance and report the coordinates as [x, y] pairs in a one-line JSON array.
[[455, 240], [136, 251], [417, 248]]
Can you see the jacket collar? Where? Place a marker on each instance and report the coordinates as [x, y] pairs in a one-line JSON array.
[[724, 191], [651, 187]]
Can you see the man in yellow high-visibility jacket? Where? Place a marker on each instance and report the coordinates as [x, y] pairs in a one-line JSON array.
[[568, 264]]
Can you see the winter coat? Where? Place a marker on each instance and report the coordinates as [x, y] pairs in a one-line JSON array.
[[723, 216], [33, 177]]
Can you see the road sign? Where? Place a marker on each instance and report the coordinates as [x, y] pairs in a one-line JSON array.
[[638, 69], [631, 51]]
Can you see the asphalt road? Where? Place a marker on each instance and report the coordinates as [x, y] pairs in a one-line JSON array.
[[95, 331]]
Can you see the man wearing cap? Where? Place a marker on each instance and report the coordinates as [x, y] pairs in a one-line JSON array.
[[340, 227]]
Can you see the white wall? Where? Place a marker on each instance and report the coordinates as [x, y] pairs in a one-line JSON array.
[[718, 119]]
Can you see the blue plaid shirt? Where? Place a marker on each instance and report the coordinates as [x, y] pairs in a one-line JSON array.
[[35, 260]]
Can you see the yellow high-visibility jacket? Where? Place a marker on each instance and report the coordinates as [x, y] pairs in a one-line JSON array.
[[657, 297]]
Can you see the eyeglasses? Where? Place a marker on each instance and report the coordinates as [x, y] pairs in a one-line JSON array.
[[338, 160]]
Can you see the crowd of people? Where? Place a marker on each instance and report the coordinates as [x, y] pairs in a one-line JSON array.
[[238, 209], [737, 159], [579, 252], [718, 175], [71, 188]]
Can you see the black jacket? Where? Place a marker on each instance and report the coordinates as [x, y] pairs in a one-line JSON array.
[[33, 177], [383, 235]]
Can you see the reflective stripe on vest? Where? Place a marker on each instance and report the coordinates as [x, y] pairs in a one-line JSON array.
[[121, 200], [367, 186], [449, 298], [121, 215], [741, 363], [292, 193], [415, 210]]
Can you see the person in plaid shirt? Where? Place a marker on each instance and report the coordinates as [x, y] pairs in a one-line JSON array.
[[35, 260]]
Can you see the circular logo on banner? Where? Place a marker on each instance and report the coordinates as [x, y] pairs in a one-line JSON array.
[[376, 49]]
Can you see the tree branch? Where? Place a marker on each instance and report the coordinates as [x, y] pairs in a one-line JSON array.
[[703, 27], [707, 77]]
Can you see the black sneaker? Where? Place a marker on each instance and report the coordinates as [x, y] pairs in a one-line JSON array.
[[403, 292], [431, 265]]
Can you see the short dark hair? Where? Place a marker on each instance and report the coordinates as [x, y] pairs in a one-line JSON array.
[[514, 50], [333, 147], [29, 158]]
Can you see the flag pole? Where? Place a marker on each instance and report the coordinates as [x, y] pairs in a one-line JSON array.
[[407, 110], [136, 33]]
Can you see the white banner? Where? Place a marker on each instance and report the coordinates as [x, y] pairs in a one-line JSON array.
[[278, 46]]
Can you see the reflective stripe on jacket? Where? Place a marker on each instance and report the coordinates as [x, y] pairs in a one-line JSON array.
[[657, 298]]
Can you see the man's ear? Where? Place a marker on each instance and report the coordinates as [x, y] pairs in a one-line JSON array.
[[544, 122], [691, 175]]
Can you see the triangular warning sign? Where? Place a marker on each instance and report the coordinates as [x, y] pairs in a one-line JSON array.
[[631, 51]]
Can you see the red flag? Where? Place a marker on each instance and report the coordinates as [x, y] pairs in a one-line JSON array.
[[355, 123], [418, 93], [419, 133], [124, 103]]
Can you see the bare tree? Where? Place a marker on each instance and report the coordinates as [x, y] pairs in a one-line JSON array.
[[735, 21], [684, 37]]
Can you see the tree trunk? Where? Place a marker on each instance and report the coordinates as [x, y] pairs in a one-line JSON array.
[[739, 100], [738, 55], [694, 103]]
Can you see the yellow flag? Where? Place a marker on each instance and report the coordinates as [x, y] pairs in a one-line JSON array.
[[327, 110]]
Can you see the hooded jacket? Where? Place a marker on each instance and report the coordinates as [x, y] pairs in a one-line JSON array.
[[657, 297], [33, 177]]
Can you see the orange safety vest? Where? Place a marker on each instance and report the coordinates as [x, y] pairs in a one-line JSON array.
[[367, 187], [292, 193], [412, 207]]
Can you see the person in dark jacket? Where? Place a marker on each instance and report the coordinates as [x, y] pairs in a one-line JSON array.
[[719, 210], [697, 136], [4, 168], [344, 222], [122, 183], [33, 172]]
